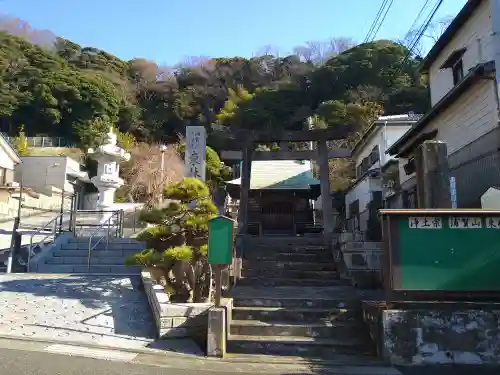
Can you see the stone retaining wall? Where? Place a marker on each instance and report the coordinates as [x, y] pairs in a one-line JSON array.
[[436, 333], [175, 319], [362, 260]]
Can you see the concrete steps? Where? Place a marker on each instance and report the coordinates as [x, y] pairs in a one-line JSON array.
[[291, 302], [282, 281], [106, 257], [254, 271], [271, 265], [338, 364], [296, 346], [321, 329], [307, 315]]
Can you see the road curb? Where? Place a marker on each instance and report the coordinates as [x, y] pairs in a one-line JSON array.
[[150, 351]]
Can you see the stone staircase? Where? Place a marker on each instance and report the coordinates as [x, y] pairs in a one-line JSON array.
[[292, 302], [72, 257]]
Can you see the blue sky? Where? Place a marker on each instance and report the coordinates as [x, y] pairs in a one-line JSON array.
[[166, 31]]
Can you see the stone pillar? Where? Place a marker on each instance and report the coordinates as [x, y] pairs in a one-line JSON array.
[[326, 198], [195, 154], [433, 175], [246, 166]]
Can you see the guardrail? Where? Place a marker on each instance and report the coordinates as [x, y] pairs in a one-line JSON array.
[[106, 228], [53, 226]]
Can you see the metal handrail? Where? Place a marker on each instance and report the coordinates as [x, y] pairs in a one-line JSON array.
[[30, 249], [102, 226]]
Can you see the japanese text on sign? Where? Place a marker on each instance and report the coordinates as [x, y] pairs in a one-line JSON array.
[[195, 152], [455, 222], [492, 222], [425, 222]]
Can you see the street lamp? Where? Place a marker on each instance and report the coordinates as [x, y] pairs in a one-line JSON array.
[[163, 149]]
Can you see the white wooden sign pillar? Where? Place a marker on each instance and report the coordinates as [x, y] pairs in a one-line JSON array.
[[196, 143]]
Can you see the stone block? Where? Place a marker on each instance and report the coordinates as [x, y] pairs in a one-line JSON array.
[[430, 334]]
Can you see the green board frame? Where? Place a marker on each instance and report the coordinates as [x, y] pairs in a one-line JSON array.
[[458, 255], [220, 240]]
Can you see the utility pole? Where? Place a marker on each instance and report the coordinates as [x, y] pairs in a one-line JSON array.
[[163, 149]]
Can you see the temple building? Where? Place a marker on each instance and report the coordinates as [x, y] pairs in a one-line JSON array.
[[282, 197]]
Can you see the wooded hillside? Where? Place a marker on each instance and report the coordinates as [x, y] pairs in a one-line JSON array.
[[58, 88]]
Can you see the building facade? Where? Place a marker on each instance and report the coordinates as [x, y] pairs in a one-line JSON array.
[[370, 189], [465, 107]]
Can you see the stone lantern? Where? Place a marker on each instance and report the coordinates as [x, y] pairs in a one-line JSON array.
[[108, 156]]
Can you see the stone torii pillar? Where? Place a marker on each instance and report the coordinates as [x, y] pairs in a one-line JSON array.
[[433, 175], [326, 198], [246, 172]]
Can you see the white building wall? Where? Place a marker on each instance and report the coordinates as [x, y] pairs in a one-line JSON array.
[[468, 118], [362, 192], [476, 36], [6, 156]]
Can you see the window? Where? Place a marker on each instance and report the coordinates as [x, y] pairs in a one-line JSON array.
[[3, 176], [374, 156], [458, 71]]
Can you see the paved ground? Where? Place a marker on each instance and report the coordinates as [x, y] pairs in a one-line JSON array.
[[102, 310], [30, 361]]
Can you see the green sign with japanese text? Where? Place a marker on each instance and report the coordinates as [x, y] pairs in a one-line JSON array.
[[456, 253], [220, 240]]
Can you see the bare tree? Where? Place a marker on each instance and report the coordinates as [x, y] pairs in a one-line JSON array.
[[433, 32], [339, 45], [18, 27], [143, 175], [319, 52], [268, 50], [304, 52]]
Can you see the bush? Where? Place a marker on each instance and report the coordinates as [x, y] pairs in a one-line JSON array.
[[179, 240]]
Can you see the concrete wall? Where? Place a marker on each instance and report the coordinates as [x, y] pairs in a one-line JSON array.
[[40, 172], [476, 36]]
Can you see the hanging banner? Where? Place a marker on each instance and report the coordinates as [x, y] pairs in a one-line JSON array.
[[453, 192], [195, 152]]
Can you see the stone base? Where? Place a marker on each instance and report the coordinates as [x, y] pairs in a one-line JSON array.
[[175, 319], [217, 332], [454, 333], [362, 261]]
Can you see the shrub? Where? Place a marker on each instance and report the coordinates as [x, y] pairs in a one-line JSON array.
[[179, 240]]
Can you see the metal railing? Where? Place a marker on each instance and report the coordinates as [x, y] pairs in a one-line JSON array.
[[105, 227], [84, 220], [55, 229]]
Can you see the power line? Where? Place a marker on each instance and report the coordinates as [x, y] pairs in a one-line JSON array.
[[382, 21], [418, 16], [420, 33], [375, 21]]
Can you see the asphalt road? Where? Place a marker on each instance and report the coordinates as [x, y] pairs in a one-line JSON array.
[[29, 363], [21, 362]]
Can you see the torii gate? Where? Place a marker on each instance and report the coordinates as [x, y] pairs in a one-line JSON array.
[[246, 138]]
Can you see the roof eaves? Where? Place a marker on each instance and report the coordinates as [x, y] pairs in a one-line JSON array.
[[474, 74], [455, 25], [14, 154]]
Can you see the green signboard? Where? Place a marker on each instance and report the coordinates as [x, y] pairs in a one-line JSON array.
[[446, 253], [220, 240]]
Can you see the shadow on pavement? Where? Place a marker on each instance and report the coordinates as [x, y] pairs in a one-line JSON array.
[[112, 308]]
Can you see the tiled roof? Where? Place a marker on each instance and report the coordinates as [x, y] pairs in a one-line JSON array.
[[280, 174]]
